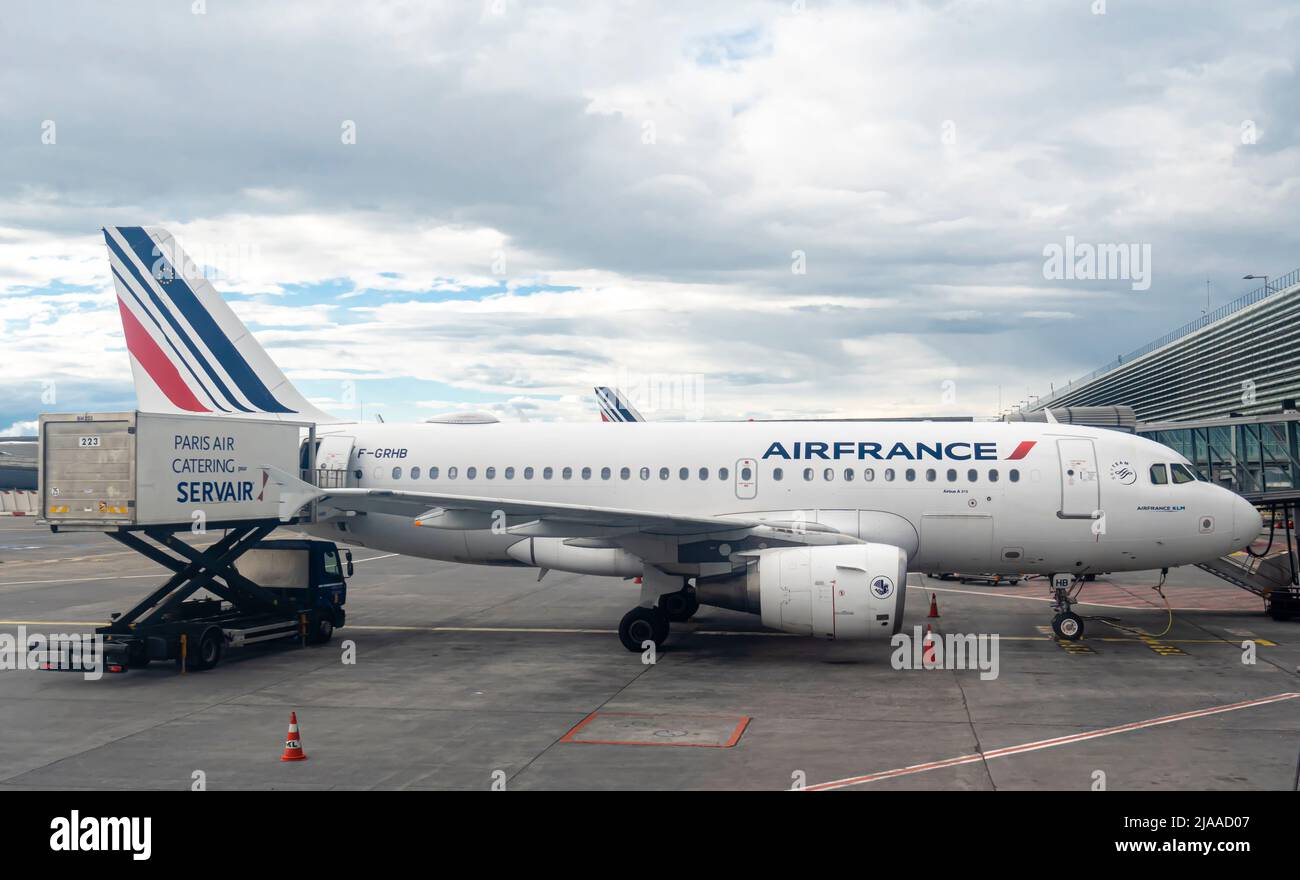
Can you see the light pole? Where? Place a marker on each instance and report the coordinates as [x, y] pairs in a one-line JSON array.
[[1263, 278]]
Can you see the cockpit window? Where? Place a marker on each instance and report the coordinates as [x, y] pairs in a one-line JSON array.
[[1158, 475], [1181, 474]]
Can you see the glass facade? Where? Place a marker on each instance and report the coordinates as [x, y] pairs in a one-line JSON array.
[[1250, 457]]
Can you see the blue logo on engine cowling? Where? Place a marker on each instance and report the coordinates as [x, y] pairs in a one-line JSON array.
[[882, 587], [809, 449]]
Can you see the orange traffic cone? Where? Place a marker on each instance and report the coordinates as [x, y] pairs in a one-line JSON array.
[[928, 658], [934, 606], [292, 744]]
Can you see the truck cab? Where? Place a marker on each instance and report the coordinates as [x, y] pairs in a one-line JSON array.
[[307, 576]]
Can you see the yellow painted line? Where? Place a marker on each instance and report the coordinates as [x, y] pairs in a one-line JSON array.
[[377, 627], [476, 629], [1050, 599]]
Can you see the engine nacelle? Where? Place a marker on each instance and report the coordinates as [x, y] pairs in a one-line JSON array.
[[853, 591]]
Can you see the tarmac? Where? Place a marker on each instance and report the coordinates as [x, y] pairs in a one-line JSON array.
[[466, 677]]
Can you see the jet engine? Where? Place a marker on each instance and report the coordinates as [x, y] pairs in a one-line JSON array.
[[847, 591]]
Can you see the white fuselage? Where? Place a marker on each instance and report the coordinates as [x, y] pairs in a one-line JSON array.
[[958, 496]]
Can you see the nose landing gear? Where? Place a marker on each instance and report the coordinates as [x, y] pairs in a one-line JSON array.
[[1066, 624]]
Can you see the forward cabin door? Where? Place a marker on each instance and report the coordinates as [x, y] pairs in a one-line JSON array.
[[1080, 488]]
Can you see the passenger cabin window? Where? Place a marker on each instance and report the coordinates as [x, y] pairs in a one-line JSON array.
[[889, 475], [471, 473], [567, 473], [778, 474], [510, 473], [1013, 475], [645, 473], [704, 473], [684, 473], [528, 472], [397, 473], [869, 474], [910, 474], [586, 473], [490, 473], [606, 473], [1158, 475], [828, 474], [807, 473], [746, 473], [1181, 474], [952, 475], [972, 475], [433, 473], [415, 473], [625, 473], [663, 473], [723, 473], [848, 475], [993, 475], [451, 473], [930, 475], [547, 473]]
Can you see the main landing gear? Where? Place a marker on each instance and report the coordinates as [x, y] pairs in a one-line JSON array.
[[665, 599], [1066, 624], [641, 625]]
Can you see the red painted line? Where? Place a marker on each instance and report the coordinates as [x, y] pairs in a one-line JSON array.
[[1046, 743]]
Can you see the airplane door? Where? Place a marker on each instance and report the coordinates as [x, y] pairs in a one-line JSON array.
[[1080, 488], [332, 456], [746, 479]]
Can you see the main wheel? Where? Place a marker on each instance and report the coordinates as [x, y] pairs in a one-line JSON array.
[[641, 625], [1068, 625], [680, 606]]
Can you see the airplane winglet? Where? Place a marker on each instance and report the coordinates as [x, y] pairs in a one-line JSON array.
[[294, 493]]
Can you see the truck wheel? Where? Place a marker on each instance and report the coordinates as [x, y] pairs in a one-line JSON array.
[[205, 651], [320, 628]]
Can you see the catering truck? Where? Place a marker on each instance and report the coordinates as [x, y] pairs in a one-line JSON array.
[[146, 477]]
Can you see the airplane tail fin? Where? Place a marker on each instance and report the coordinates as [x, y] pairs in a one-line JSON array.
[[614, 407], [189, 353]]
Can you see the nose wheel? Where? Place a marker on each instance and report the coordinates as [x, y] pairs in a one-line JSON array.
[[641, 625], [1068, 625]]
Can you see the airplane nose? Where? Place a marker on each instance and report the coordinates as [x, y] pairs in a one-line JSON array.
[[1246, 523]]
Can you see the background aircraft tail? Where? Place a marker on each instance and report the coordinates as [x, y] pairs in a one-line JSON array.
[[189, 353], [614, 407]]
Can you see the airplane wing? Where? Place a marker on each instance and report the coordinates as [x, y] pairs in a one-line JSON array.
[[524, 518]]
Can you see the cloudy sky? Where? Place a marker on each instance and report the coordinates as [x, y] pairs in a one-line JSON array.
[[733, 209]]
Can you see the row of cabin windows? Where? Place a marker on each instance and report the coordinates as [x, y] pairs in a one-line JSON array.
[[1179, 472], [566, 473], [746, 473]]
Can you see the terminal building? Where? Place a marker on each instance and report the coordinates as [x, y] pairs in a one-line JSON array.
[[1222, 392]]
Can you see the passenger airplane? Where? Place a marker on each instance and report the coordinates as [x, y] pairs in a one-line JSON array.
[[813, 526]]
